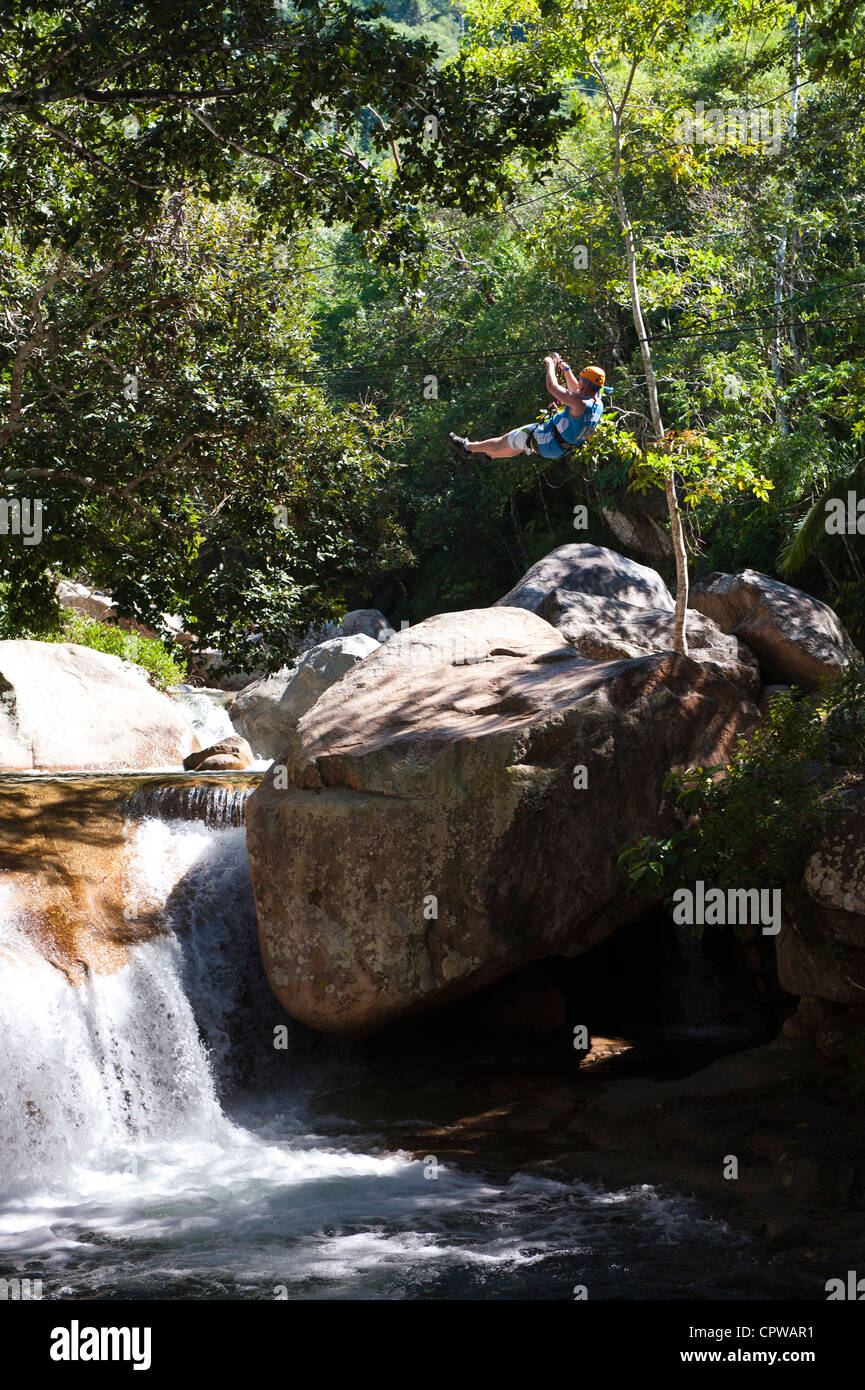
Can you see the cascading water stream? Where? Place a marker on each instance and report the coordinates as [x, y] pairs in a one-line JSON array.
[[216, 804], [207, 713], [113, 1060], [156, 1144]]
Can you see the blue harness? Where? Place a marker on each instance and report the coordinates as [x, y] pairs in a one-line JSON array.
[[569, 432]]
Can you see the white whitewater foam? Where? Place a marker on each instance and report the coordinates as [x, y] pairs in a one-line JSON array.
[[207, 714], [90, 1066], [125, 1178]]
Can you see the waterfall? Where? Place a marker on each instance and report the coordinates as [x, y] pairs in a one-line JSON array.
[[700, 992], [207, 712], [209, 910], [154, 1142], [143, 1052], [216, 804], [91, 1067]]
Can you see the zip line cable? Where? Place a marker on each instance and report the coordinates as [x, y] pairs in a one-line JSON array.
[[368, 375], [385, 379], [324, 374], [352, 378]]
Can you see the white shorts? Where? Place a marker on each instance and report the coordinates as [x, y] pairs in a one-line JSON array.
[[524, 439]]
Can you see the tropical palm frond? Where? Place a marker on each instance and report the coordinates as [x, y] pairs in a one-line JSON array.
[[810, 529]]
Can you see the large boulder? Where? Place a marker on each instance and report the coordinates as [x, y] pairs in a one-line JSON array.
[[813, 962], [229, 754], [835, 872], [821, 948], [589, 569], [454, 809], [797, 639], [608, 630], [640, 532], [66, 708], [367, 621], [266, 712], [370, 622], [253, 711], [90, 603]]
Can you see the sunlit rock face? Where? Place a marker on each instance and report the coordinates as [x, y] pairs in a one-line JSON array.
[[66, 708], [797, 639], [454, 808]]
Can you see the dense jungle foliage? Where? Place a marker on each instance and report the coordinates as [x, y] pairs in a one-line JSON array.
[[272, 255]]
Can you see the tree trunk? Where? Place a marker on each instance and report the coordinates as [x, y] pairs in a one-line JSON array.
[[517, 532], [783, 240], [680, 632]]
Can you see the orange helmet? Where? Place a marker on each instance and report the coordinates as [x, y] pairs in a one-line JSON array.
[[595, 374]]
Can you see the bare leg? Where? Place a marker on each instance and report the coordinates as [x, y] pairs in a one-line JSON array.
[[498, 448]]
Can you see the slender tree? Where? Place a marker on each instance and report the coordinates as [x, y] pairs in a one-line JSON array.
[[605, 51], [616, 108]]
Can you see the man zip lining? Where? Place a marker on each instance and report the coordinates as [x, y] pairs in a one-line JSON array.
[[566, 430]]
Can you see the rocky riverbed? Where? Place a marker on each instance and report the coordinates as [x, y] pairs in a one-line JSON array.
[[436, 892]]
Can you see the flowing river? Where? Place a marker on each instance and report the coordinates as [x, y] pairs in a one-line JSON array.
[[154, 1143]]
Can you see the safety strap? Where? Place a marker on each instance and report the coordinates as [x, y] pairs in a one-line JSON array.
[[565, 447], [531, 441]]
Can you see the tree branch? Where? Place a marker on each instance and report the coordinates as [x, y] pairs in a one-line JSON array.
[[16, 389], [389, 135], [172, 455], [235, 144], [17, 475], [630, 82], [90, 156], [47, 96]]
